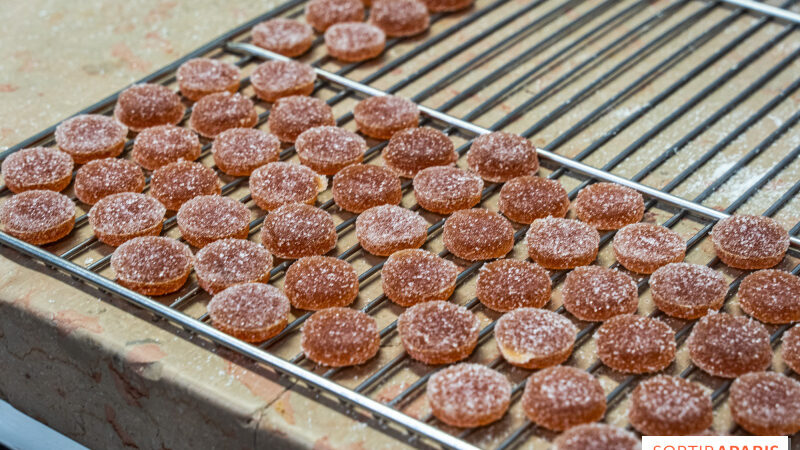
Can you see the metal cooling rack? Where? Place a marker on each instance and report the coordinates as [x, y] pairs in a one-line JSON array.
[[692, 103]]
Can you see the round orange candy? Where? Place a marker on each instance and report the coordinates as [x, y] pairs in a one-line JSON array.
[[508, 284], [339, 337], [37, 168], [152, 265], [414, 276], [103, 177], [290, 116], [328, 149], [148, 105], [91, 136], [670, 406], [118, 218], [296, 230], [252, 312], [468, 395], [477, 234], [534, 338], [158, 146], [727, 346], [446, 189], [501, 156], [199, 77], [634, 344], [38, 217], [178, 182], [381, 117], [446, 5], [319, 282], [399, 18], [278, 183], [321, 14], [771, 296], [561, 397], [687, 291], [597, 436], [385, 229], [215, 113], [354, 41], [609, 206], [240, 151], [359, 187], [644, 247], [438, 332], [208, 218], [750, 242], [527, 198], [559, 244], [791, 348], [285, 36], [595, 293], [275, 79], [766, 403], [227, 262], [413, 149]]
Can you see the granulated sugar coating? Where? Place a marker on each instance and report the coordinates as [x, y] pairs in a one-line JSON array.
[[328, 149], [285, 36], [446, 5], [508, 284], [295, 230], [354, 41], [562, 397], [152, 265], [771, 296], [340, 337], [399, 18], [252, 312], [38, 217], [319, 282], [557, 243], [670, 406], [295, 114], [468, 395], [446, 189], [199, 77], [278, 183], [534, 338], [147, 105], [527, 198], [595, 293], [359, 187], [687, 291], [766, 403], [438, 332], [226, 262], [634, 344], [158, 146], [501, 156], [597, 436], [118, 218], [37, 168], [385, 229], [414, 149], [478, 234], [727, 346], [240, 151], [103, 177], [791, 348], [321, 14], [382, 117], [644, 247], [215, 113], [208, 218], [275, 79], [609, 206], [415, 276], [750, 242], [178, 182], [91, 136]]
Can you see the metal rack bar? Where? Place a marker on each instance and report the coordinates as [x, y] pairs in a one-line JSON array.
[[766, 9]]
